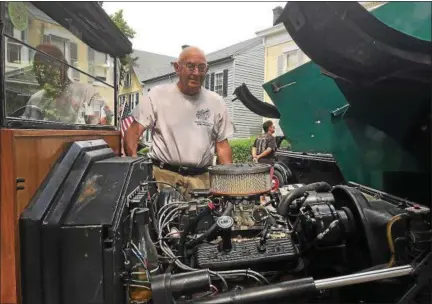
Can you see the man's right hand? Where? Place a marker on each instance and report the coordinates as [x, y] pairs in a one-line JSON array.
[[131, 138]]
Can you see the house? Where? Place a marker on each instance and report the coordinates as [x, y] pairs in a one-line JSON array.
[[33, 27], [228, 68], [147, 65], [281, 52]]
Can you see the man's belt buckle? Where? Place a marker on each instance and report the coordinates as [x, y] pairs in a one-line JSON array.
[[182, 169], [161, 165]]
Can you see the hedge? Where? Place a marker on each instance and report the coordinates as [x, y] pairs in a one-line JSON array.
[[242, 149]]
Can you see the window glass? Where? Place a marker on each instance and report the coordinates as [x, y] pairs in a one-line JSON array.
[[76, 86], [218, 88], [291, 60]]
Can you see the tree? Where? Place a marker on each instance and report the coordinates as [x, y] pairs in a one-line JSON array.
[[128, 61]]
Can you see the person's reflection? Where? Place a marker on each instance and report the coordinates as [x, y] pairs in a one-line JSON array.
[[60, 99]]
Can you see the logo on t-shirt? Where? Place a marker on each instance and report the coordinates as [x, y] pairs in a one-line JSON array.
[[203, 115]]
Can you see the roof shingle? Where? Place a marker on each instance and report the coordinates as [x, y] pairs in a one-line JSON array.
[[153, 65]]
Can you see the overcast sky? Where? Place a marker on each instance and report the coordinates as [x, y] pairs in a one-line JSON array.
[[163, 27]]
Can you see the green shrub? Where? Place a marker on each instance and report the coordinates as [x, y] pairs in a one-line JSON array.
[[242, 149], [285, 144]]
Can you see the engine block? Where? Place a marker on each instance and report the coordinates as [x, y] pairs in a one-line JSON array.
[[248, 254]]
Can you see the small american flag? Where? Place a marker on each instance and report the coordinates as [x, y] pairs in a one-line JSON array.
[[125, 121]]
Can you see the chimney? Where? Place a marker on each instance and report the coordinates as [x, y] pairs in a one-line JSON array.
[[185, 46], [277, 11]]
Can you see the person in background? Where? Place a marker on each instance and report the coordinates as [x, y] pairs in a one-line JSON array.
[[264, 147], [60, 99], [188, 123]]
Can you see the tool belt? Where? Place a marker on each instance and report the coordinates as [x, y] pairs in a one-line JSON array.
[[182, 170]]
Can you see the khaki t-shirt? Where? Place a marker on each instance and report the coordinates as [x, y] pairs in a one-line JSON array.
[[184, 128]]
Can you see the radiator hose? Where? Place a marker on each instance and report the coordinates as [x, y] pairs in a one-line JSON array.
[[287, 200]]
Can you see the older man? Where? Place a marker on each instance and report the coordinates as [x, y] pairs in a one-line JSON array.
[[188, 122]]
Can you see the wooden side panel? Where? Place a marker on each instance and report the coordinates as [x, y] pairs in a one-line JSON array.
[[29, 154], [8, 291], [36, 153]]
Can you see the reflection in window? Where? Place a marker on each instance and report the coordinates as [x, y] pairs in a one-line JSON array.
[[128, 80], [44, 91], [39, 87], [13, 50], [74, 60]]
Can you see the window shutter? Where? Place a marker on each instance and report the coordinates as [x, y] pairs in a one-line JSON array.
[[212, 78], [206, 84], [280, 62], [225, 83], [137, 98]]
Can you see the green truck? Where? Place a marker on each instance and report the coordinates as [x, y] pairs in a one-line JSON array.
[[359, 111]]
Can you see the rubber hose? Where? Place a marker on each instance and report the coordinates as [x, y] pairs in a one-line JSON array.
[[283, 207], [255, 105]]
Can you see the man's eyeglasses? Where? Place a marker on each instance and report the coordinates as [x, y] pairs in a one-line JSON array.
[[202, 67]]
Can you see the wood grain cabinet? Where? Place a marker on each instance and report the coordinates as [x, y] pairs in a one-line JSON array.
[[26, 158]]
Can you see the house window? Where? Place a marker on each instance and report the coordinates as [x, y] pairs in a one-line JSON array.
[[121, 104], [13, 49], [218, 86], [13, 52], [90, 55], [132, 98], [291, 60], [130, 103], [74, 60], [91, 63], [127, 81], [59, 42]]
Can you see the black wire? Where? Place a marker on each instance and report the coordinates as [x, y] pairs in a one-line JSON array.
[[131, 226], [224, 282]]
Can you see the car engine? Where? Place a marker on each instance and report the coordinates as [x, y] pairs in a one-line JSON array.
[[242, 242]]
